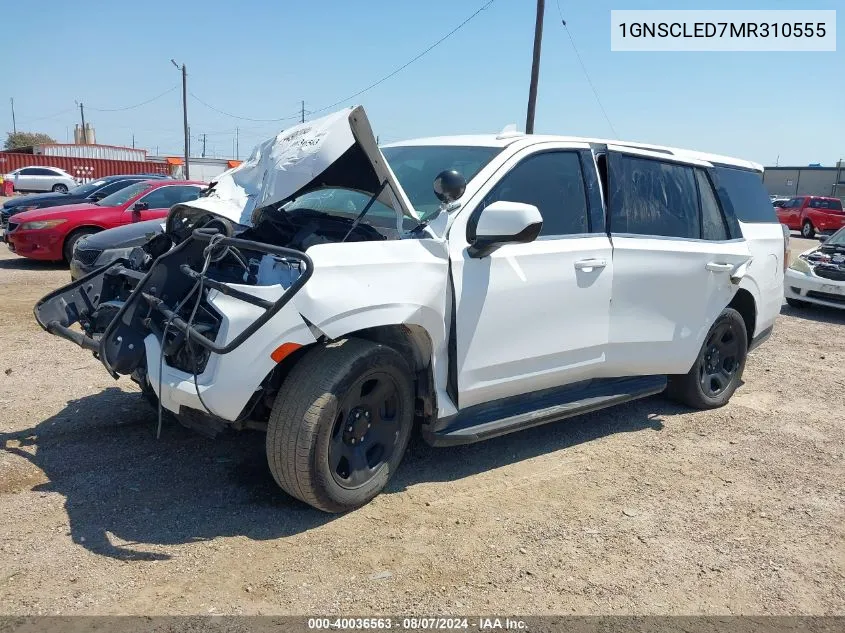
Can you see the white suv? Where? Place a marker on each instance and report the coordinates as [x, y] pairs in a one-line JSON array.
[[333, 293], [41, 179]]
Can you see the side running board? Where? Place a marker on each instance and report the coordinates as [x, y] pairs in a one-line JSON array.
[[488, 420]]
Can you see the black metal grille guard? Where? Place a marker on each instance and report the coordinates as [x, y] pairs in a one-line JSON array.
[[176, 322]]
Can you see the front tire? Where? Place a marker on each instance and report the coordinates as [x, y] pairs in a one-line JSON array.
[[717, 371], [341, 423], [60, 188], [808, 231], [72, 239]]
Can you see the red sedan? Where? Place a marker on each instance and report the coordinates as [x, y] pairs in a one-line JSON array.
[[809, 214], [49, 234]]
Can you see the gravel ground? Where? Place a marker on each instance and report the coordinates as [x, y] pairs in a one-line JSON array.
[[647, 508]]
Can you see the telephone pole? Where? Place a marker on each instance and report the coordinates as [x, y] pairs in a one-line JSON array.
[[237, 149], [203, 145], [302, 119], [535, 67], [185, 118], [14, 125], [82, 115]]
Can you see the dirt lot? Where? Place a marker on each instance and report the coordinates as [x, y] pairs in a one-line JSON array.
[[646, 508]]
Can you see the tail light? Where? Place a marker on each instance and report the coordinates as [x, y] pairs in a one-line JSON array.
[[786, 236]]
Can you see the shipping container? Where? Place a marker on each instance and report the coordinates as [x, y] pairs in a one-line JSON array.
[[103, 152], [82, 169]]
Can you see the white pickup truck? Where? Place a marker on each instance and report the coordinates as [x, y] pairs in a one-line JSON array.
[[335, 293]]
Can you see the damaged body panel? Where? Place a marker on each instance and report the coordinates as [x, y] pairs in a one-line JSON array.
[[337, 295]]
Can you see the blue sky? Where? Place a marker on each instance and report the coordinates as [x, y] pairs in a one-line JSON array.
[[258, 59]]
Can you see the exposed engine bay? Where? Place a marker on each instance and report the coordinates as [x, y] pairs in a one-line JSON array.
[[828, 261], [163, 287]]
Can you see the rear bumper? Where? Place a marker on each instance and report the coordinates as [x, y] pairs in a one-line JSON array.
[[814, 289]]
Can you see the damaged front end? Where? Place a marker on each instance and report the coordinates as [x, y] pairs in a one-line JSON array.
[[226, 266], [119, 306]]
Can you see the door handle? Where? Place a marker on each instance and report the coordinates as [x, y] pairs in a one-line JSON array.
[[589, 264], [717, 267]]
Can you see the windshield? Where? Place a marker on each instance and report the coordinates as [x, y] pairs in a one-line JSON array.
[[122, 196], [83, 191], [346, 203], [837, 239], [416, 167]]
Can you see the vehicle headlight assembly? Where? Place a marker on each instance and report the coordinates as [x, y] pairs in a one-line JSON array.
[[801, 265], [112, 254], [44, 224]]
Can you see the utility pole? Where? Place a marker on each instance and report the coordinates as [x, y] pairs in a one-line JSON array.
[[302, 119], [185, 119], [203, 145], [237, 148], [14, 125], [133, 141], [535, 67], [82, 115]]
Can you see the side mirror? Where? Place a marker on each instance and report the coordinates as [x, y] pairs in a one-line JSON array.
[[823, 238], [141, 206], [96, 197], [500, 223], [449, 185]]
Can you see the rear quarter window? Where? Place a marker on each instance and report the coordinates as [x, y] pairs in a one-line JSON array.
[[743, 196]]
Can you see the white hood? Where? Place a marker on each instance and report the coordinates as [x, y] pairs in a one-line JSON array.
[[337, 150]]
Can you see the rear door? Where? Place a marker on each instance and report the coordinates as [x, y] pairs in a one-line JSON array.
[[676, 261], [534, 316], [27, 179]]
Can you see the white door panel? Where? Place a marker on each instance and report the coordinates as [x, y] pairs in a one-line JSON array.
[[666, 294], [531, 316]]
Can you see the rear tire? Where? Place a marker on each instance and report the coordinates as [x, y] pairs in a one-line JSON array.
[[72, 239], [60, 188], [796, 303], [717, 370], [341, 423], [808, 231]]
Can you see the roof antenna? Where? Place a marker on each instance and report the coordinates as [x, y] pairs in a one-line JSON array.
[[508, 131]]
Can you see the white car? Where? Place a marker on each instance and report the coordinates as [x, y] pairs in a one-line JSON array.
[[334, 293], [41, 179], [818, 275]]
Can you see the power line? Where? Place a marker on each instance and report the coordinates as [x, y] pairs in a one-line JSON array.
[[49, 116], [393, 73], [243, 118], [584, 68], [408, 63], [137, 105]]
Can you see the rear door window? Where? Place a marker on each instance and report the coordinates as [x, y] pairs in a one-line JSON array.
[[743, 196], [712, 223], [653, 197], [821, 203]]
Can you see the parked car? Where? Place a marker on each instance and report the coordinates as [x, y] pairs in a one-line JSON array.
[[96, 250], [479, 285], [810, 214], [41, 179], [779, 202], [818, 275], [88, 192], [50, 234]]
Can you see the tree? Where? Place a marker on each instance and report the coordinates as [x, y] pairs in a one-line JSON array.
[[26, 139]]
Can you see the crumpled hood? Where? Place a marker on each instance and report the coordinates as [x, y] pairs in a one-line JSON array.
[[338, 150]]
